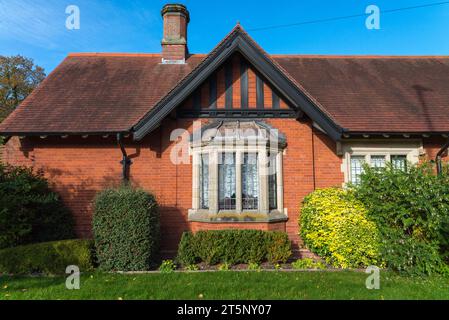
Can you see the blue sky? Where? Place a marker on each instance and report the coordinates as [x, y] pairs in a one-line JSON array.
[[36, 28]]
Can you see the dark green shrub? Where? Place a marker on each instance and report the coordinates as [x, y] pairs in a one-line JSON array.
[[411, 211], [233, 247], [48, 257], [29, 211], [278, 247], [186, 251], [410, 255], [126, 229]]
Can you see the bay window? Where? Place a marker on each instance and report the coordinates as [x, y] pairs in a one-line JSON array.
[[238, 176]]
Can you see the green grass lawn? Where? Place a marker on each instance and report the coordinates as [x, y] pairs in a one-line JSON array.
[[226, 285]]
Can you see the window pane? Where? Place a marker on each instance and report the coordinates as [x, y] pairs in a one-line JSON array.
[[356, 168], [272, 184], [378, 161], [226, 181], [399, 162], [204, 181], [250, 182]]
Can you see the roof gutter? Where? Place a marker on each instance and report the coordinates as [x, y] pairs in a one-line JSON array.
[[438, 157], [126, 161], [62, 133]]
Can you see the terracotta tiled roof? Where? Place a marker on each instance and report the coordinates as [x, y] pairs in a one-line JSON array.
[[377, 93], [96, 93]]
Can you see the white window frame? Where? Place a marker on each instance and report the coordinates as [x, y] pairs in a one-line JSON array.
[[239, 150], [411, 148]]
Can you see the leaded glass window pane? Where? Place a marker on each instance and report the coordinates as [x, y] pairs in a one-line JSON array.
[[399, 162], [250, 182], [356, 168], [272, 184], [204, 181], [226, 181], [378, 161]]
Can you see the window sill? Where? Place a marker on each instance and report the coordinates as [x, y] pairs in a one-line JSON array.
[[234, 217]]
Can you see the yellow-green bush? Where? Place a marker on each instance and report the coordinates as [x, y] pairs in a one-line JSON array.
[[334, 225]]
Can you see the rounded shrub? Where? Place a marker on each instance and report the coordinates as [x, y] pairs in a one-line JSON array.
[[48, 257], [334, 225], [30, 211], [233, 247], [126, 229], [186, 251]]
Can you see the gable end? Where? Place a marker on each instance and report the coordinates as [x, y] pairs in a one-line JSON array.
[[252, 95], [237, 41]]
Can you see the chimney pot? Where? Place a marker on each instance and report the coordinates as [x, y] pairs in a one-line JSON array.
[[174, 42]]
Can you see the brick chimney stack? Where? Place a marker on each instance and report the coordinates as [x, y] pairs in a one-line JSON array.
[[174, 43]]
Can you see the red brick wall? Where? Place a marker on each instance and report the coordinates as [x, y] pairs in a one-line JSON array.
[[432, 146], [175, 195], [78, 168], [327, 163], [297, 169], [174, 52]]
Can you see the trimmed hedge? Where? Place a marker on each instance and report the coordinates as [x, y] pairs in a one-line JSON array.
[[47, 257], [29, 211], [233, 247], [335, 226], [126, 229]]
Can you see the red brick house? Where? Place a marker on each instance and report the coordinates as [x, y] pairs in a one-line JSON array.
[[100, 118]]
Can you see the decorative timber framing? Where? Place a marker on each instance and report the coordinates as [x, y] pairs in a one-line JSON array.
[[244, 100], [260, 103], [213, 92], [237, 41], [228, 86]]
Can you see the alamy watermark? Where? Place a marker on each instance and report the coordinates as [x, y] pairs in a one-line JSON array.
[[73, 21], [372, 22], [73, 280], [373, 280]]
